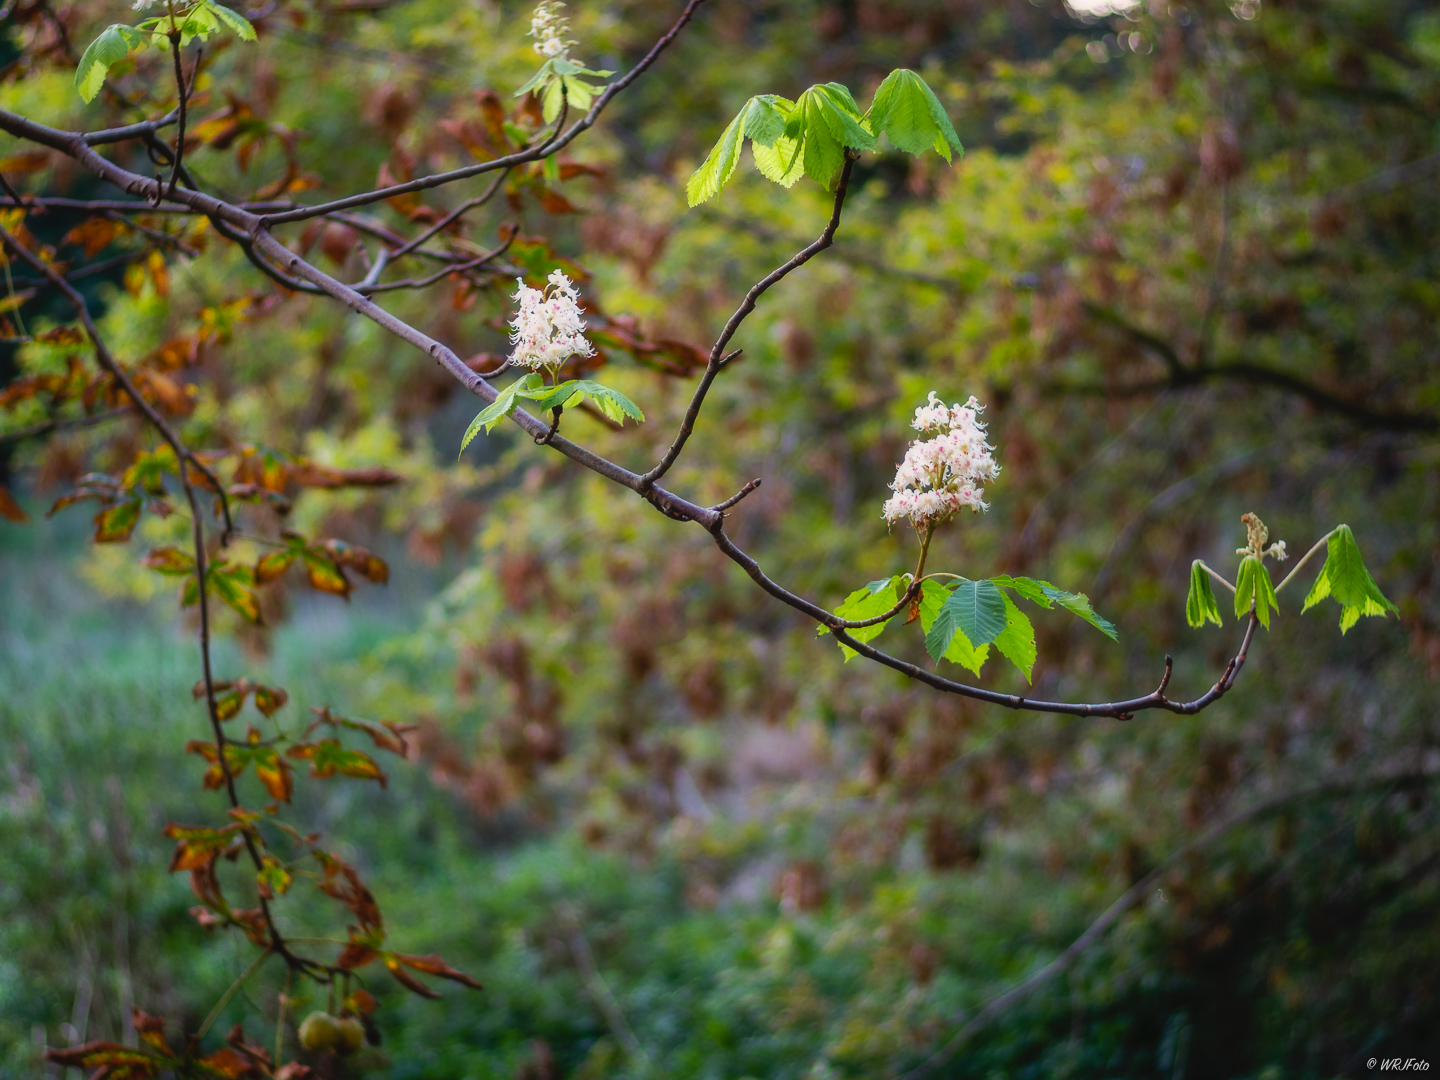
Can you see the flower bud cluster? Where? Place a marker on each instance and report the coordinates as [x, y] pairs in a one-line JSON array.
[[1257, 536], [549, 28], [942, 475], [547, 329]]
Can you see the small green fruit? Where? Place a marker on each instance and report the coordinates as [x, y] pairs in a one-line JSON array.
[[320, 1031], [351, 1035]]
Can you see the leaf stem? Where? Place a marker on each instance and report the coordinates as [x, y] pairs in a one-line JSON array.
[[924, 551], [1306, 558], [1219, 578], [234, 989]]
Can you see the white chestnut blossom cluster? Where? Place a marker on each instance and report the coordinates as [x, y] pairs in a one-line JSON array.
[[548, 27], [547, 329], [941, 476]]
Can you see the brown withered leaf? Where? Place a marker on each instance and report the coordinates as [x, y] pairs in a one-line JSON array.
[[433, 965], [151, 1031], [361, 1002], [342, 883], [199, 846], [11, 509], [554, 203], [356, 955], [405, 979], [24, 164], [387, 735], [293, 1070], [110, 1061], [94, 235], [364, 562], [309, 474]]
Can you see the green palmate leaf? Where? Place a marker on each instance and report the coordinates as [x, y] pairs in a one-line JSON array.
[[943, 639], [874, 599], [909, 114], [1047, 595], [233, 21], [779, 163], [1017, 641], [1037, 592], [112, 46], [615, 405], [977, 609], [1200, 604], [1345, 579], [1253, 585], [763, 121], [500, 408]]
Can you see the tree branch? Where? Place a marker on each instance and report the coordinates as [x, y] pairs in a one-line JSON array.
[[554, 144]]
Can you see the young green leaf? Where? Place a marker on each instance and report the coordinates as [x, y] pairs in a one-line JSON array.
[[943, 639], [613, 404], [762, 120], [1253, 584], [874, 599], [500, 408], [977, 609], [112, 46], [233, 20], [1200, 604], [1345, 579], [909, 114], [779, 163], [1017, 641]]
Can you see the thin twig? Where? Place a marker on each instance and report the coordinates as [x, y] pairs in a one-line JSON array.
[[232, 991], [554, 144], [1306, 557], [717, 357]]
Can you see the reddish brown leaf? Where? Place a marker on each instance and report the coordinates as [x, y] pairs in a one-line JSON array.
[[270, 700], [151, 1030], [555, 203], [356, 956], [405, 979], [293, 1070], [309, 474], [365, 563], [361, 1002], [107, 1058], [11, 509], [433, 965], [94, 235]]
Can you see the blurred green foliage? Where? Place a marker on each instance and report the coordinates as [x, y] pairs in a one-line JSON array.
[[1189, 262]]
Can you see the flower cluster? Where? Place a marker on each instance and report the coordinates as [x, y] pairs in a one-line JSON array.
[[548, 330], [1257, 536], [942, 475], [549, 28]]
